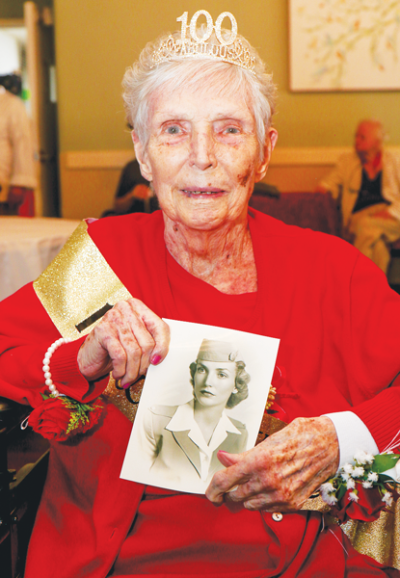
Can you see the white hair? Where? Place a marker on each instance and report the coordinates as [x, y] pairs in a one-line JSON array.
[[143, 78]]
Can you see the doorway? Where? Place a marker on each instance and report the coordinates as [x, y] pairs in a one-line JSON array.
[[33, 36]]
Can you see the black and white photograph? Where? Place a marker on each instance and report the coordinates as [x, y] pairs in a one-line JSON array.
[[207, 396]]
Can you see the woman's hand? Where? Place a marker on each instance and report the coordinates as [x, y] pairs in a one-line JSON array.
[[128, 338], [281, 472]]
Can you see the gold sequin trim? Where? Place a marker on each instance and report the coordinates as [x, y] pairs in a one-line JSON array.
[[75, 287], [77, 284], [379, 539], [119, 397]]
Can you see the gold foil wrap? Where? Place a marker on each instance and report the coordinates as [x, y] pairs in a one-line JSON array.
[[316, 504], [120, 397], [77, 283], [269, 425], [380, 539]]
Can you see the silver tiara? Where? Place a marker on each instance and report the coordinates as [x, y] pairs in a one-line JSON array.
[[228, 47]]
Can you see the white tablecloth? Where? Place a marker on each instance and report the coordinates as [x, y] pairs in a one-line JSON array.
[[27, 246]]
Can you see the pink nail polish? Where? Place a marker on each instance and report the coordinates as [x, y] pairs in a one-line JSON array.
[[155, 359], [126, 385]]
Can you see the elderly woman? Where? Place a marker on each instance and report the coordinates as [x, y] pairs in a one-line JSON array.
[[201, 106], [182, 441]]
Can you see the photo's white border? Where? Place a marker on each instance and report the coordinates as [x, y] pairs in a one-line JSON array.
[[169, 384]]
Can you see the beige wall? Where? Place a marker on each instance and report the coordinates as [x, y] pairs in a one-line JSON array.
[[97, 39], [91, 177]]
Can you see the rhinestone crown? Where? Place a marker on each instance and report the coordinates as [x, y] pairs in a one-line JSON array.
[[226, 46]]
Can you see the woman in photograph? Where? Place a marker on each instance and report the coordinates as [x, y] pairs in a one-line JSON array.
[[182, 441], [201, 104]]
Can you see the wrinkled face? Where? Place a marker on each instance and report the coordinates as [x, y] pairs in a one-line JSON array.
[[214, 382], [202, 155], [368, 138]]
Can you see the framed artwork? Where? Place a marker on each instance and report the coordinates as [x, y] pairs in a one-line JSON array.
[[344, 45]]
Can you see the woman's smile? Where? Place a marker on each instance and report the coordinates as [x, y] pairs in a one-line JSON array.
[[203, 192], [200, 147]]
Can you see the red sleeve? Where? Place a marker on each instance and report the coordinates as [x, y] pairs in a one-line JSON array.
[[375, 349], [26, 332], [381, 416]]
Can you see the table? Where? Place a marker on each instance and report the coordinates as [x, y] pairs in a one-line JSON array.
[[27, 246]]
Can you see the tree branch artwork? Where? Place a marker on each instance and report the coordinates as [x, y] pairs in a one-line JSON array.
[[345, 44]]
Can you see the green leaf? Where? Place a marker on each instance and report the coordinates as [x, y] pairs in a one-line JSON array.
[[341, 492], [384, 462], [383, 478]]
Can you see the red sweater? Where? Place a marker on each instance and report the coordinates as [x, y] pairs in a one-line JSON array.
[[331, 308]]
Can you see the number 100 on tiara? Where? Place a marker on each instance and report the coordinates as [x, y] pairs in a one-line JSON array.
[[209, 28], [227, 45]]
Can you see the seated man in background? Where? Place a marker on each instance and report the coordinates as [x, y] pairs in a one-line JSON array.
[[133, 194], [367, 182]]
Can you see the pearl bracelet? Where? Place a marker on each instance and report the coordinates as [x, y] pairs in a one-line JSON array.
[[46, 365]]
